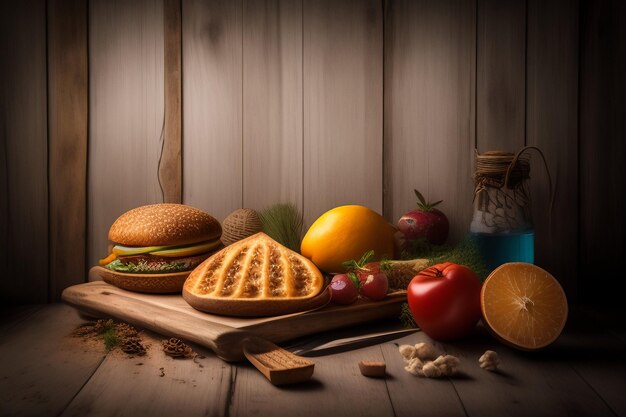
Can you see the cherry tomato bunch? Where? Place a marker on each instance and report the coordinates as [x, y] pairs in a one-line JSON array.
[[363, 277]]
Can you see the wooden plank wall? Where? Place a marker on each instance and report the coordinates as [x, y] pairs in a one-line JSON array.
[[170, 164], [67, 141], [500, 75], [272, 103], [125, 112], [23, 153], [319, 103], [602, 148], [343, 142], [212, 103], [551, 125], [429, 126]]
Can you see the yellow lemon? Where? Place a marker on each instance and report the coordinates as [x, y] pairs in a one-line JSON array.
[[345, 233]]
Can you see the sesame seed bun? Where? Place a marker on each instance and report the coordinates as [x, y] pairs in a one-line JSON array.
[[164, 225]]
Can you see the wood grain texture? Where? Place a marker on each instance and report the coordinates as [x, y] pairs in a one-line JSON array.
[[343, 44], [14, 317], [409, 393], [429, 134], [170, 169], [592, 357], [223, 334], [552, 115], [126, 112], [44, 367], [155, 385], [541, 384], [53, 374], [212, 99], [272, 103], [605, 317], [23, 153], [67, 142], [500, 75], [278, 365], [327, 393], [602, 147]]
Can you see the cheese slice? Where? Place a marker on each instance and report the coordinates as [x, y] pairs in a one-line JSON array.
[[121, 250], [168, 251], [188, 250]]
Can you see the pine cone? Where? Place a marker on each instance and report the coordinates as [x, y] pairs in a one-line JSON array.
[[126, 331], [103, 325], [133, 346], [176, 348]]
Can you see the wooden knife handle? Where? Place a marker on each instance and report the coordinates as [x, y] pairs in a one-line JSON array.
[[279, 366]]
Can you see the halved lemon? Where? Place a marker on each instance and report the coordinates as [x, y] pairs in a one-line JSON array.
[[523, 306]]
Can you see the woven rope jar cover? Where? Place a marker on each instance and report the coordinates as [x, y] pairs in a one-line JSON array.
[[239, 225], [501, 195]]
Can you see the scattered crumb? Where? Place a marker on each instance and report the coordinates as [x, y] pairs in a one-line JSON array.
[[407, 351], [489, 361], [375, 369], [414, 366], [430, 370], [426, 351], [113, 334], [423, 351], [418, 360], [84, 329], [447, 364]]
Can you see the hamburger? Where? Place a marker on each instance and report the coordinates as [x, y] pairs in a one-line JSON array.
[[160, 239]]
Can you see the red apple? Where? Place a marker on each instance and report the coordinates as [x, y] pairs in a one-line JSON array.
[[426, 222]]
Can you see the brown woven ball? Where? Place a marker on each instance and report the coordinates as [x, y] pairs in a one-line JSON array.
[[240, 224]]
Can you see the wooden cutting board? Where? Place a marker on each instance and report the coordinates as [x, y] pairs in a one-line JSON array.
[[171, 316]]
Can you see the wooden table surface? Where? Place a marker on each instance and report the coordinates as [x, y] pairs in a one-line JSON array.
[[47, 372]]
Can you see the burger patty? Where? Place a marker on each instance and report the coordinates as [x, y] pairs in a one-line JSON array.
[[156, 264]]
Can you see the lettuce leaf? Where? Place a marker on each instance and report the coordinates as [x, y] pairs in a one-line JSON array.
[[145, 268]]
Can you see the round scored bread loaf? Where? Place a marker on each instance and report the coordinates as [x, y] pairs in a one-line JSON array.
[[164, 225], [256, 276]]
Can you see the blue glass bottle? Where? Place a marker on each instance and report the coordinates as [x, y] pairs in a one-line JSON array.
[[501, 224]]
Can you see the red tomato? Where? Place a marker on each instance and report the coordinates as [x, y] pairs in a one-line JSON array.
[[445, 301]]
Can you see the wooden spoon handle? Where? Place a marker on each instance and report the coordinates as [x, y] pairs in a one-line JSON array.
[[279, 366]]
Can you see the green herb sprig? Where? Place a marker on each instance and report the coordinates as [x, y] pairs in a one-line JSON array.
[[465, 253], [406, 317], [283, 222]]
